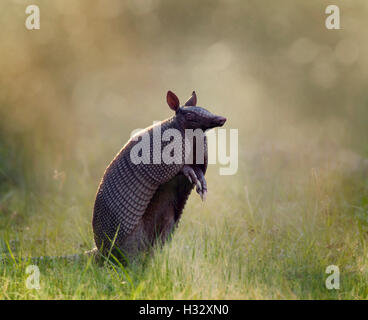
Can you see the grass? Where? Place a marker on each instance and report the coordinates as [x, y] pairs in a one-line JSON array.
[[72, 92], [259, 236]]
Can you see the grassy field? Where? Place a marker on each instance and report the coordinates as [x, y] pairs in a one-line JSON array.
[[72, 92], [256, 237]]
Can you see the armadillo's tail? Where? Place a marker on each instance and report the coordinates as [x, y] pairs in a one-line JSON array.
[[95, 254]]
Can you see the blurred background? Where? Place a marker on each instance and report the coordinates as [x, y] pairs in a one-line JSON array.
[[72, 92]]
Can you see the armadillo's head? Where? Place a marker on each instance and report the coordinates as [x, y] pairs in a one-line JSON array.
[[190, 116]]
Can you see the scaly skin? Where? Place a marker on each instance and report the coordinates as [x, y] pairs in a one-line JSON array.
[[138, 205]]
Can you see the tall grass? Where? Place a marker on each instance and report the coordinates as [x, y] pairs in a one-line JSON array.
[[269, 242]]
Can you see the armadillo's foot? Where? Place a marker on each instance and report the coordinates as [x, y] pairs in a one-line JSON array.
[[202, 191], [192, 177], [196, 177]]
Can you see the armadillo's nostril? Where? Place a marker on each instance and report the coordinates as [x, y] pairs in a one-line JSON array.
[[221, 120]]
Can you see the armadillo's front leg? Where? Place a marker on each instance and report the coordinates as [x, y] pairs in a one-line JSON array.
[[196, 176], [191, 175], [203, 190]]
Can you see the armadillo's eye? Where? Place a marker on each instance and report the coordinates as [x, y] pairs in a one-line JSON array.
[[189, 116]]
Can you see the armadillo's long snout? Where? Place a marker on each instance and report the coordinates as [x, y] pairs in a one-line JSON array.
[[219, 121]]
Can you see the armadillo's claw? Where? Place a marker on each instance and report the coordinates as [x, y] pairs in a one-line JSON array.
[[203, 195], [199, 186]]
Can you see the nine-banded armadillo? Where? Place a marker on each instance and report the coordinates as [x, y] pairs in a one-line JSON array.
[[140, 203]]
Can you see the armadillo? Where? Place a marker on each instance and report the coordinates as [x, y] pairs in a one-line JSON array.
[[139, 204]]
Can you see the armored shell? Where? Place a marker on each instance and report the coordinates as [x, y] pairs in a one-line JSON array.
[[136, 204]]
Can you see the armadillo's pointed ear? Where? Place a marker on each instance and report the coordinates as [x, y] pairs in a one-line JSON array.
[[192, 101], [172, 101]]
